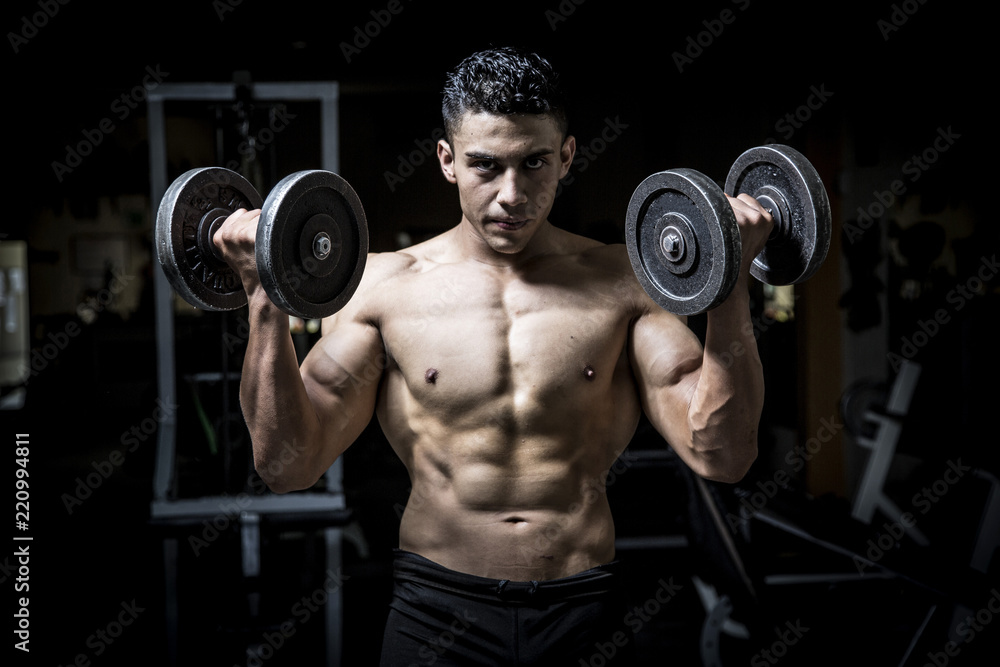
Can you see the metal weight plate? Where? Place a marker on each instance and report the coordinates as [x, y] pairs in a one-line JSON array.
[[192, 208], [683, 241], [783, 180], [312, 244]]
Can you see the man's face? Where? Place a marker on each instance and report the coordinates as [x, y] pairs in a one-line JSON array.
[[507, 169]]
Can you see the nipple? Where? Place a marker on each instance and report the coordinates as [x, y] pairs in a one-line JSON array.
[[588, 372], [431, 376]]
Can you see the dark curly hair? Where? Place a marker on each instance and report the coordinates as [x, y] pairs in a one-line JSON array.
[[504, 81]]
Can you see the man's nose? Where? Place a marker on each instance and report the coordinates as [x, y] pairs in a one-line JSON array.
[[512, 190]]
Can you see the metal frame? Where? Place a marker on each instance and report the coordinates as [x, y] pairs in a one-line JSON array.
[[166, 509], [871, 495]]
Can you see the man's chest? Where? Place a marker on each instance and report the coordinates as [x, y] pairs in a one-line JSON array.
[[480, 335]]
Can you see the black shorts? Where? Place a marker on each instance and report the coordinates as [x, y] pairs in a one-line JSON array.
[[441, 617]]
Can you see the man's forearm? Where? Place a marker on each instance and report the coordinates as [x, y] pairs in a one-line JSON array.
[[281, 419], [726, 406]]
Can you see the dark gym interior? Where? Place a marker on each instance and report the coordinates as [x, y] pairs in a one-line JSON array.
[[866, 532]]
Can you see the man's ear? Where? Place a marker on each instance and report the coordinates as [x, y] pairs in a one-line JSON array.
[[447, 159], [566, 154]]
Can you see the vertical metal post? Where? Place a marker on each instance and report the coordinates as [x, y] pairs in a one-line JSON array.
[[164, 506], [164, 313], [330, 133]]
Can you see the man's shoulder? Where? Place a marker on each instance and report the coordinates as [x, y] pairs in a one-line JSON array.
[[382, 265], [597, 255], [609, 264], [391, 263]]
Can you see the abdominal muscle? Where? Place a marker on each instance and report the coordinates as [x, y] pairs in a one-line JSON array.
[[508, 404], [521, 510]]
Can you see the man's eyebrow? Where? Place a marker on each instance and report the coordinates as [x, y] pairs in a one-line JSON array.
[[485, 156]]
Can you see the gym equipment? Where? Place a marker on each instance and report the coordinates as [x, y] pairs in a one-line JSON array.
[[311, 244], [785, 183], [192, 209], [684, 243]]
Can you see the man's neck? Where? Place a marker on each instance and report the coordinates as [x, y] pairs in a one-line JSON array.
[[471, 246]]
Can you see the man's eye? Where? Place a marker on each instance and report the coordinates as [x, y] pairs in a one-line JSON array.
[[535, 163], [484, 165]]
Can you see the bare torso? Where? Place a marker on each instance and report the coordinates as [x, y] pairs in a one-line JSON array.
[[508, 394], [508, 362]]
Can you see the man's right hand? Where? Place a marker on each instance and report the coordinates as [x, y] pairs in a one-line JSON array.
[[236, 242]]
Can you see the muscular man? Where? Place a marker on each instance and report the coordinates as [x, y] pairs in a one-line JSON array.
[[514, 358]]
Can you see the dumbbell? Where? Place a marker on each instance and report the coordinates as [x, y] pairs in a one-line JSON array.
[[311, 243], [684, 243]]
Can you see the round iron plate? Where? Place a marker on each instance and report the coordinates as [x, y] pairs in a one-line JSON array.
[[195, 202], [312, 244], [793, 253], [704, 273]]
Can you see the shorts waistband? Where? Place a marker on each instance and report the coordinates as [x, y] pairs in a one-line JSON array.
[[411, 567]]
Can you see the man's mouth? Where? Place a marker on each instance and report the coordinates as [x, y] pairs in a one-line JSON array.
[[509, 224]]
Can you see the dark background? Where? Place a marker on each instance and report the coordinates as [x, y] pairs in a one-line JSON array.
[[890, 90]]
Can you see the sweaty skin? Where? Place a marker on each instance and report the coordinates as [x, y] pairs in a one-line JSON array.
[[508, 362]]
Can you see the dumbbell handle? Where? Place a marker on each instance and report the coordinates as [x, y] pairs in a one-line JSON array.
[[771, 199], [209, 225], [212, 221], [310, 247], [783, 180]]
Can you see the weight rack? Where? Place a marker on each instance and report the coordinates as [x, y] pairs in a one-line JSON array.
[[327, 508]]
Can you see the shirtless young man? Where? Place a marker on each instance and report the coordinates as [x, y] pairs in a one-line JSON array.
[[515, 359]]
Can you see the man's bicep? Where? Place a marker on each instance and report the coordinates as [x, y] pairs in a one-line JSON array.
[[341, 374], [666, 360]]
